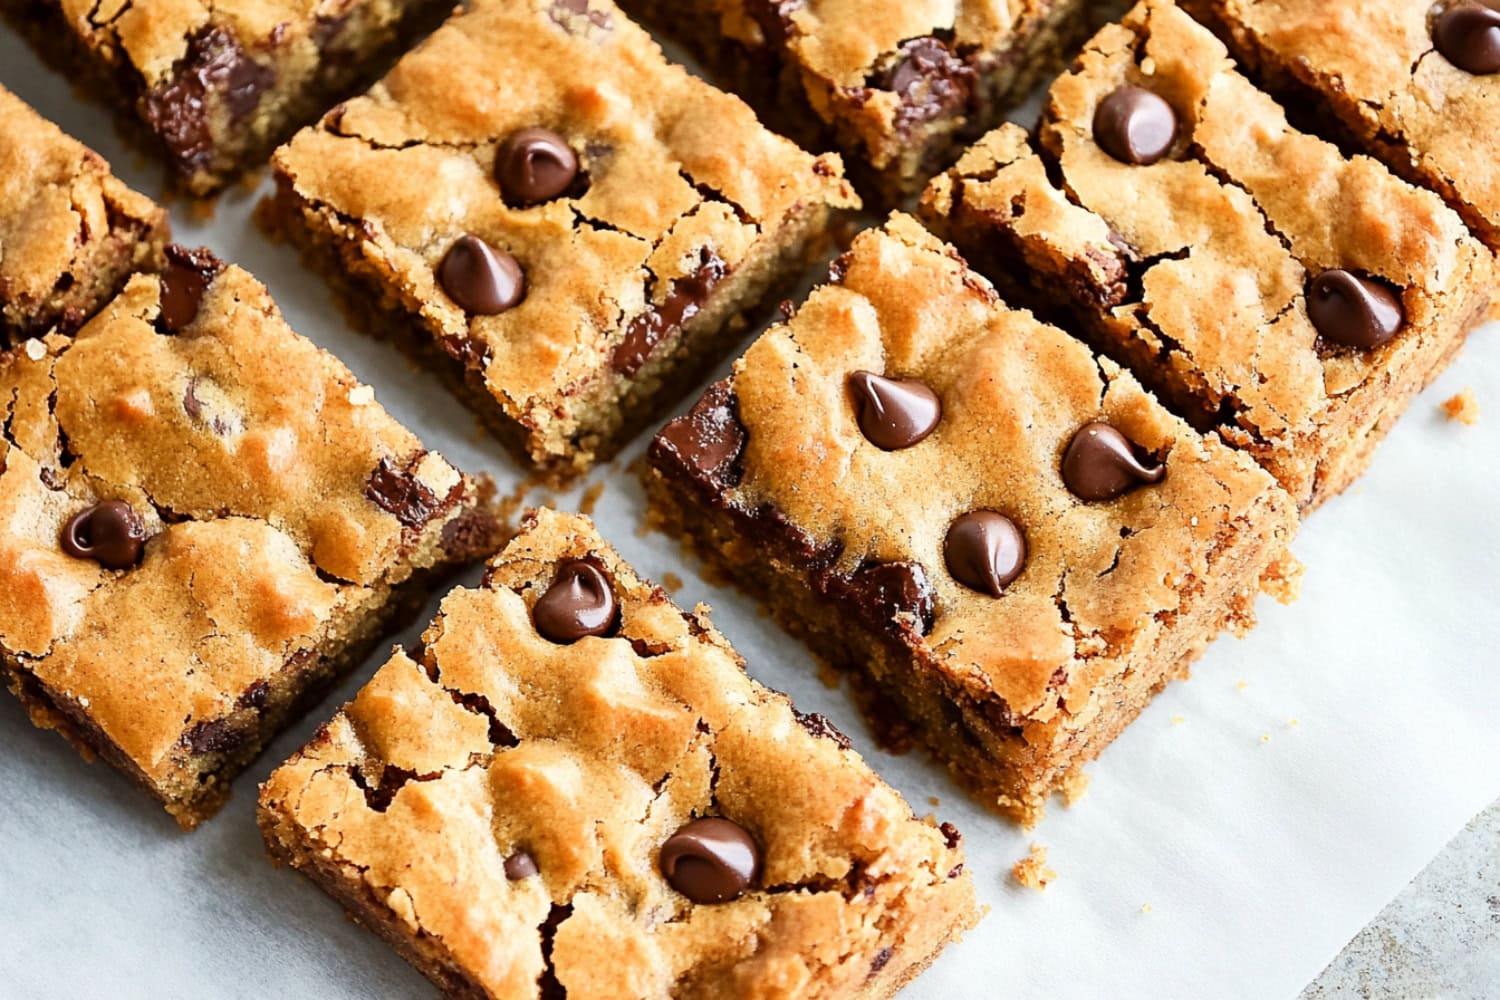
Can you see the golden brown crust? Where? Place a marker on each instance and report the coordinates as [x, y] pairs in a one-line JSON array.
[[587, 757], [249, 454], [70, 231]]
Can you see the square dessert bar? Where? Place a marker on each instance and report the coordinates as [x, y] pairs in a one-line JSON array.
[[575, 789], [70, 231], [565, 225], [1414, 84], [900, 86], [1007, 540], [1258, 279], [204, 520], [216, 84]]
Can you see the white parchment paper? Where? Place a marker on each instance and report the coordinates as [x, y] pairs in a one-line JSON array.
[[1233, 839]]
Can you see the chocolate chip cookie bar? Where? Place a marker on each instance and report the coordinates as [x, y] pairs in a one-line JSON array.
[[574, 788], [1003, 537], [70, 231], [1260, 280], [566, 226], [204, 520], [1413, 84], [900, 86], [214, 85]]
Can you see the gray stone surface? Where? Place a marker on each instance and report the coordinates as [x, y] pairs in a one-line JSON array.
[[1440, 939]]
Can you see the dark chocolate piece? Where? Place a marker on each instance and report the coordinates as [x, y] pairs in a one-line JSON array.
[[396, 491], [1135, 126], [534, 165], [1352, 311], [1101, 463], [580, 602], [1468, 35], [483, 280], [110, 533], [820, 725], [706, 443], [894, 413], [184, 281], [682, 303], [879, 592], [931, 81], [710, 860], [520, 865], [985, 551], [216, 68]]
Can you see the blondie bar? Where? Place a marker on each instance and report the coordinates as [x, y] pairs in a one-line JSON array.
[[1414, 84], [70, 231], [1004, 537], [568, 227], [574, 789], [204, 520], [1261, 281], [900, 86], [216, 84]]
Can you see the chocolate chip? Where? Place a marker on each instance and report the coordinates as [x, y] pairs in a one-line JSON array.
[[184, 281], [930, 80], [710, 860], [951, 836], [1468, 36], [397, 491], [483, 281], [580, 602], [520, 865], [985, 551], [774, 17], [216, 736], [882, 957], [215, 69], [705, 443], [1353, 311], [1135, 126], [1101, 463], [534, 165], [880, 594], [820, 725], [894, 413], [110, 533], [683, 302]]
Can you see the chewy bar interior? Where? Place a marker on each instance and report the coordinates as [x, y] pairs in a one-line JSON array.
[[1414, 84], [216, 84], [204, 519], [567, 226], [1256, 277], [1009, 543], [70, 231], [575, 789], [898, 85]]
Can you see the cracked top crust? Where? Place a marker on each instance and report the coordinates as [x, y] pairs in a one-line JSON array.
[[674, 169], [1375, 62], [1100, 578], [66, 217], [249, 456], [1227, 231], [587, 757]]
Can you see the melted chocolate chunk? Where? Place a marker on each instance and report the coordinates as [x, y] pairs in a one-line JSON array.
[[1352, 311], [534, 165], [1135, 126], [705, 444], [1101, 463], [397, 491], [467, 351], [1467, 34], [878, 592], [683, 302], [482, 279], [580, 602], [111, 533], [710, 860], [215, 69], [894, 413], [774, 17], [184, 281], [520, 865], [931, 81], [951, 836], [985, 551], [820, 725], [216, 736]]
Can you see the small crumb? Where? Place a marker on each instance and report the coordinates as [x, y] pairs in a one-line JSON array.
[[1292, 722], [1265, 737], [1193, 520], [1148, 66], [590, 500], [1074, 785], [202, 209], [1178, 720], [1145, 907], [829, 674], [1463, 408], [671, 581], [933, 801], [35, 349], [1032, 871], [362, 395], [1242, 685]]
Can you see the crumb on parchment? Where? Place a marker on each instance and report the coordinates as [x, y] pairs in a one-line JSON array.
[[590, 499], [1463, 408], [1032, 871], [671, 582], [1074, 786]]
